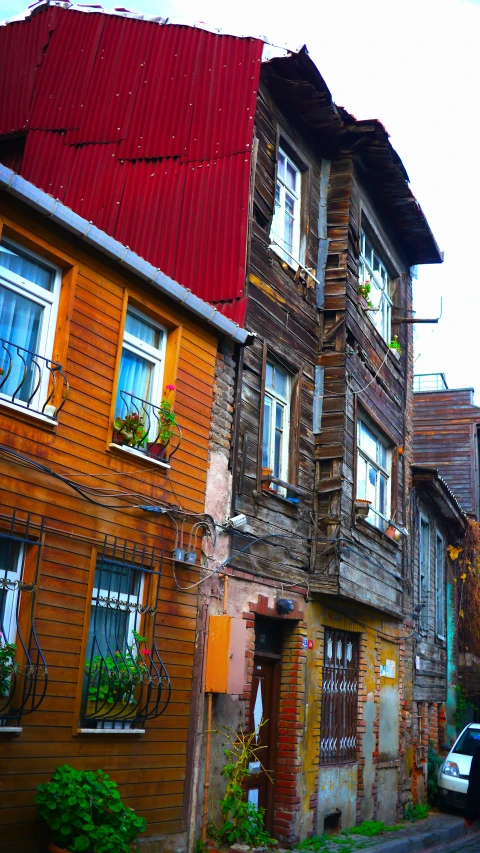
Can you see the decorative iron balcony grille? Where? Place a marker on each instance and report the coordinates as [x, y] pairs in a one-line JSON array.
[[126, 682], [143, 426], [338, 727], [31, 381], [23, 669]]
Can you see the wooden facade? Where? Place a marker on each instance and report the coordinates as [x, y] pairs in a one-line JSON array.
[[151, 767], [446, 436]]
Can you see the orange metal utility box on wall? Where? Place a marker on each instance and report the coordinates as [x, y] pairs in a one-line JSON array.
[[225, 667]]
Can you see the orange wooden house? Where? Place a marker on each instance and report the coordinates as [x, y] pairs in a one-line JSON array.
[[101, 487]]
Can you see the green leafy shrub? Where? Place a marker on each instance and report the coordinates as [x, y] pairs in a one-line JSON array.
[[414, 812], [242, 821], [85, 814], [433, 763], [7, 666], [113, 679]]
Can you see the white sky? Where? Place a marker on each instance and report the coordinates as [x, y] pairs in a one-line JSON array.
[[415, 66]]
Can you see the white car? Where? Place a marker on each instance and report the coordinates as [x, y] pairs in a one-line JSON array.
[[453, 774]]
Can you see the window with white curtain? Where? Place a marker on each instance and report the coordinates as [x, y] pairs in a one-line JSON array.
[[285, 231], [142, 364], [29, 293], [373, 474], [276, 423]]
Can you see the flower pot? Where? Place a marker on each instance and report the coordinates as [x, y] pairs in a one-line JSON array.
[[53, 848], [362, 507], [157, 450]]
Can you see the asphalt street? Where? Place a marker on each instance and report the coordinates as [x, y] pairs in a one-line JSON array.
[[470, 843]]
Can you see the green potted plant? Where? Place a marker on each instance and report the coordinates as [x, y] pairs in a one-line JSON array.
[[166, 425], [113, 681], [364, 289], [85, 814], [7, 666], [130, 430], [395, 347]]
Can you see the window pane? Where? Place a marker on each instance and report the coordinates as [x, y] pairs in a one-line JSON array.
[[20, 325], [281, 381], [13, 259], [110, 629], [291, 177], [371, 485], [269, 376], [382, 454], [136, 375], [277, 459], [382, 503], [279, 416], [267, 416], [117, 578], [361, 478], [368, 441], [143, 330], [281, 165], [288, 232], [9, 553]]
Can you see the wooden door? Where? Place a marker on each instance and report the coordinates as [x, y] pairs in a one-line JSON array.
[[264, 708]]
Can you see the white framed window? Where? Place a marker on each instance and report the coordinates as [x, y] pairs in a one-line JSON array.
[[373, 272], [141, 368], [11, 567], [374, 474], [276, 422], [285, 231], [424, 590], [440, 586], [29, 295]]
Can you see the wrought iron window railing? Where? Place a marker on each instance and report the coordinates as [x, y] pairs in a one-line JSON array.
[[126, 682], [143, 426], [23, 669], [31, 381], [338, 726]]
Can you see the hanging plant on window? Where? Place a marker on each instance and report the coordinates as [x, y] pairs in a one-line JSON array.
[[113, 680], [7, 666], [166, 424]]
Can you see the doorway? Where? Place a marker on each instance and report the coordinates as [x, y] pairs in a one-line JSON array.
[[264, 709]]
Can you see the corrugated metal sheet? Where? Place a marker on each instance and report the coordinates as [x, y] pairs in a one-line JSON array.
[[22, 46], [147, 131]]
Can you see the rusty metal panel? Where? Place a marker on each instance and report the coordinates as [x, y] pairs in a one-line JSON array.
[[218, 646]]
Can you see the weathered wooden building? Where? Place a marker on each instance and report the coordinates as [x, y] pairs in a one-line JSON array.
[[256, 192], [91, 521], [436, 521], [320, 568]]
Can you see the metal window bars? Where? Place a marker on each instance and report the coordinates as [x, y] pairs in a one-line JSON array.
[[126, 682], [144, 426], [31, 381], [338, 727], [23, 669]]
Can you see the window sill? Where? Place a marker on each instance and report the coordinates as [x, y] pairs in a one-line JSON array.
[[276, 497], [11, 730], [28, 415], [110, 731], [363, 523], [123, 450]]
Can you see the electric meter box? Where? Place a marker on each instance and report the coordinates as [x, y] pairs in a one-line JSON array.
[[225, 666]]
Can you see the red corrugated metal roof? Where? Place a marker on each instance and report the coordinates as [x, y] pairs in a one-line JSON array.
[[144, 129]]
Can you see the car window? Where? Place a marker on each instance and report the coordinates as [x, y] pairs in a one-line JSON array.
[[468, 742]]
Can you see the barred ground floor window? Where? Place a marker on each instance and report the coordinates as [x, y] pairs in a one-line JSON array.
[[338, 729]]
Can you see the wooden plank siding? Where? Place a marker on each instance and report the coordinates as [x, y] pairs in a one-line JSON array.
[[281, 312], [445, 436], [151, 769], [362, 377]]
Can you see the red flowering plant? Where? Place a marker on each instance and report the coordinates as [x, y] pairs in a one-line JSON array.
[[131, 430], [113, 679], [166, 418]]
